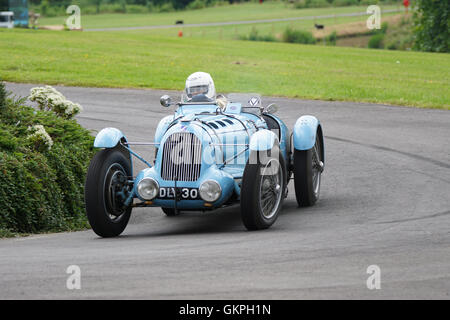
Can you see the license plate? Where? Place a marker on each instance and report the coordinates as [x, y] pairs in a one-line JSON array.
[[184, 193]]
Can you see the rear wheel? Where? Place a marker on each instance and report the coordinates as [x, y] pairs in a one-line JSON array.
[[106, 189], [308, 167], [262, 190]]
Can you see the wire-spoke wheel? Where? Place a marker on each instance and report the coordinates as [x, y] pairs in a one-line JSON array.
[[308, 168], [262, 189], [106, 190], [270, 188]]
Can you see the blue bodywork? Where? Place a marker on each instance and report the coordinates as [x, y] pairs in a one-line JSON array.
[[108, 138], [263, 140], [227, 137], [304, 134]]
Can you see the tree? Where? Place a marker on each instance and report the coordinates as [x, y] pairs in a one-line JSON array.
[[97, 5], [432, 25], [4, 6]]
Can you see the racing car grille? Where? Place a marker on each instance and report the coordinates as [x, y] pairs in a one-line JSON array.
[[182, 157]]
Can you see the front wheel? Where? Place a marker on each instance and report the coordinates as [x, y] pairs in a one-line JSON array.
[[170, 212], [263, 186], [106, 189]]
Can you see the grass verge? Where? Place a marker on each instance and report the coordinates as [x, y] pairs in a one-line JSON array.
[[304, 71], [236, 12]]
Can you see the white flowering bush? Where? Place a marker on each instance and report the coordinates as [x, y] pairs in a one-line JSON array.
[[43, 163], [39, 137], [49, 99]]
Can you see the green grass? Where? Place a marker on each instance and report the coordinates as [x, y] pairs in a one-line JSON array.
[[235, 31], [119, 59], [237, 12]]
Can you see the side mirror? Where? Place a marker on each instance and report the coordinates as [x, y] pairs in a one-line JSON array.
[[165, 101], [271, 108]]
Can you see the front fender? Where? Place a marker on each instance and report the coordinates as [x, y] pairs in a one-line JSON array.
[[263, 140], [108, 138], [305, 131]]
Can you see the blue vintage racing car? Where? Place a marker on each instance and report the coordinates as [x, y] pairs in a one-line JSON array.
[[210, 153]]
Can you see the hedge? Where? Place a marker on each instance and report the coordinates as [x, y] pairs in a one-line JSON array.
[[41, 190]]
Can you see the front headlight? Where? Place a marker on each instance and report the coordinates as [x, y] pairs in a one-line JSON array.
[[210, 190], [148, 188]]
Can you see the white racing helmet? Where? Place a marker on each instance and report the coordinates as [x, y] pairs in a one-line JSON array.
[[200, 88]]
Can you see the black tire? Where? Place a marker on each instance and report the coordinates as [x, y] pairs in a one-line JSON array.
[[252, 213], [108, 218], [305, 167], [170, 212]]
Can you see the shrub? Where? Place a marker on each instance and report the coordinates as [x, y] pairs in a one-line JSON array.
[[376, 41], [3, 95], [432, 26], [42, 188], [254, 36], [49, 99], [392, 46], [298, 36], [44, 7], [405, 21], [343, 3], [384, 27], [39, 138], [311, 4], [196, 4], [7, 140], [166, 7], [331, 39], [132, 8], [113, 8], [49, 9]]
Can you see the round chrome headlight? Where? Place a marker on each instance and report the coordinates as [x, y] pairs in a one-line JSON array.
[[148, 188], [210, 190]]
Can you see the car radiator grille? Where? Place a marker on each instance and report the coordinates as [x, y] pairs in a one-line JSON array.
[[181, 159]]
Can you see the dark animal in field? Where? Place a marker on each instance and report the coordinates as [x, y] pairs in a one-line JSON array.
[[319, 26], [179, 22]]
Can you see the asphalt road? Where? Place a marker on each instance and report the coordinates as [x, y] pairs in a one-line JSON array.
[[385, 201], [228, 23]]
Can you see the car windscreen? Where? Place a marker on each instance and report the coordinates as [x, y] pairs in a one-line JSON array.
[[248, 100], [251, 102]]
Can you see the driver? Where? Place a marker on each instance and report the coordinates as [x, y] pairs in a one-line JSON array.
[[200, 88]]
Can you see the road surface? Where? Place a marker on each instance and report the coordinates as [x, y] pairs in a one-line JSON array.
[[385, 201]]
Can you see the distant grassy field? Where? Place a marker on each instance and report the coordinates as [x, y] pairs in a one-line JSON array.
[[237, 12], [274, 29], [120, 59]]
